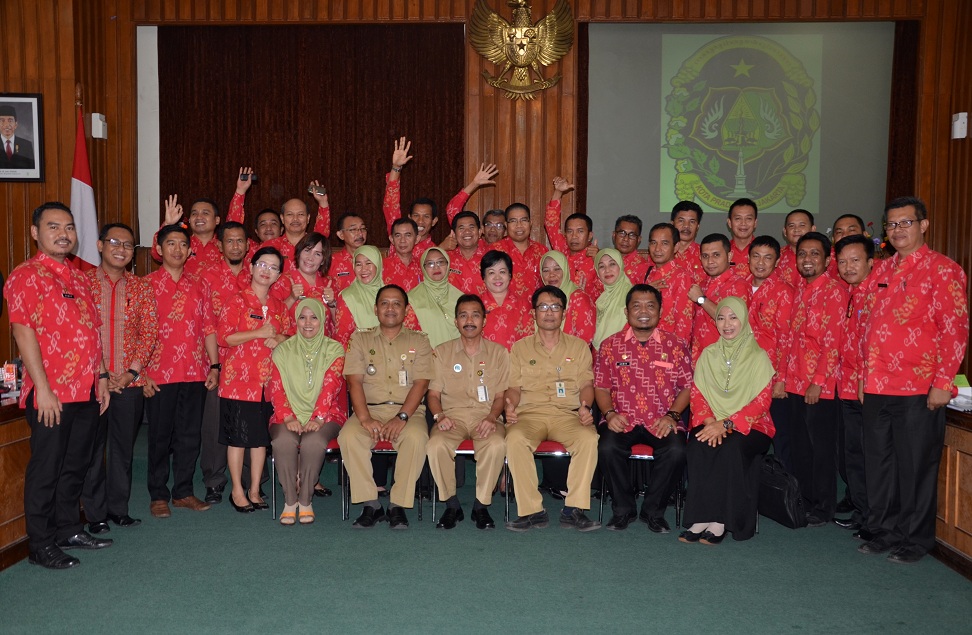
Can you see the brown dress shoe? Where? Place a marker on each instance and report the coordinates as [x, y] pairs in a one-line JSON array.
[[160, 509], [191, 502]]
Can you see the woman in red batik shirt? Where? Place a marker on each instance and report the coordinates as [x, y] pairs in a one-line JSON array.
[[251, 325], [580, 316], [309, 279]]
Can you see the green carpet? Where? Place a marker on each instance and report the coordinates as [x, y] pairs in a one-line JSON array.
[[223, 572]]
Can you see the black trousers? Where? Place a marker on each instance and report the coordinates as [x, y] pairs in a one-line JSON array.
[[782, 444], [852, 416], [108, 483], [903, 442], [814, 453], [212, 458], [613, 450], [175, 420], [59, 457]]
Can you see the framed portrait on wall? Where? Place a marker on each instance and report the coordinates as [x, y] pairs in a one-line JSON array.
[[21, 137]]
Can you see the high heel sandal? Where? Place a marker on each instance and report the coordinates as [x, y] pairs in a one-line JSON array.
[[243, 509]]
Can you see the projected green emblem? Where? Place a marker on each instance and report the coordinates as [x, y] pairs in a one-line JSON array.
[[741, 123]]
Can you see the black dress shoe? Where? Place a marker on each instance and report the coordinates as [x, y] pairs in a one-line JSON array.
[[322, 491], [84, 540], [98, 528], [620, 522], [906, 555], [874, 547], [845, 506], [690, 537], [709, 538], [813, 521], [214, 495], [538, 520], [847, 523], [261, 505], [369, 518], [657, 524], [483, 519], [864, 534], [243, 509], [576, 519], [397, 518], [51, 557], [124, 521], [449, 519]]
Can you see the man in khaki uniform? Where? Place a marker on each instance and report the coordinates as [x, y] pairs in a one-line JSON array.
[[388, 368], [466, 398], [550, 394]]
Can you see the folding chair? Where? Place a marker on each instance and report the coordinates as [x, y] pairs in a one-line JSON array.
[[546, 449], [642, 452], [383, 447], [332, 448]]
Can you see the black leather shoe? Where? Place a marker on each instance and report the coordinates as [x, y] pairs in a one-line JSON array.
[[84, 540], [369, 518], [214, 495], [657, 524], [483, 519], [864, 534], [256, 506], [538, 520], [709, 538], [847, 523], [322, 491], [620, 522], [98, 528], [397, 518], [813, 521], [449, 519], [578, 520], [51, 557], [690, 537], [906, 555], [124, 521], [556, 494], [874, 547], [845, 506]]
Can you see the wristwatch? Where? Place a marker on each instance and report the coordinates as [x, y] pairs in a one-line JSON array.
[[402, 416], [216, 366], [728, 425], [701, 300], [435, 417], [134, 373]]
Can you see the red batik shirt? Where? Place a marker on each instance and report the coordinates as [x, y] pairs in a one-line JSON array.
[[726, 284], [329, 406], [770, 306], [526, 264], [918, 330], [644, 379], [224, 284], [580, 316], [283, 287], [739, 258], [786, 267], [201, 257], [395, 271], [816, 329], [129, 325], [246, 367], [509, 322], [464, 272], [53, 299], [691, 260], [344, 324], [754, 416], [582, 270], [859, 309], [392, 209], [237, 213], [636, 266], [677, 310], [342, 269], [186, 317]]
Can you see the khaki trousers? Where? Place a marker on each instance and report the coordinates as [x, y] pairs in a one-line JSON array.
[[356, 444], [300, 455], [523, 437], [489, 458]]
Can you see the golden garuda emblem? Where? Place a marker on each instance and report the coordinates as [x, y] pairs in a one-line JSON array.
[[521, 46]]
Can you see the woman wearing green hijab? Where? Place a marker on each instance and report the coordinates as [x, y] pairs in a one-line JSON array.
[[306, 379], [609, 264], [356, 304], [579, 315], [433, 301], [730, 430]]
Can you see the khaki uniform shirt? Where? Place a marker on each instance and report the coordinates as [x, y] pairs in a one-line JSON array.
[[458, 378], [380, 361], [537, 372]]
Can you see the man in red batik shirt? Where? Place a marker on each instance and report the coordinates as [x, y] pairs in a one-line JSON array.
[[687, 217], [797, 223], [353, 232], [576, 242], [742, 227], [674, 282], [401, 266], [913, 345], [465, 258], [642, 380], [626, 239], [817, 323], [55, 324], [721, 282], [524, 251]]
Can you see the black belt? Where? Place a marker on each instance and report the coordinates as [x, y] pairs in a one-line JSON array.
[[386, 403]]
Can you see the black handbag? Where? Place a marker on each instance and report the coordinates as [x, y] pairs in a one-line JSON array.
[[779, 495]]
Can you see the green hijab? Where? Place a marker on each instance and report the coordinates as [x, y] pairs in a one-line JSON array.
[[610, 304], [731, 373], [566, 284], [302, 363], [434, 303], [360, 297]]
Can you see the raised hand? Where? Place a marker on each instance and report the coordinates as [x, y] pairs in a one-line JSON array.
[[320, 198], [592, 249], [561, 185], [173, 211], [401, 156], [241, 185], [486, 175]]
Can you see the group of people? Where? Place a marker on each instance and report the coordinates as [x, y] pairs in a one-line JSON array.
[[708, 352]]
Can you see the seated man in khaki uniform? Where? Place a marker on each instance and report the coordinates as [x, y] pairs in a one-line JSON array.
[[466, 398], [388, 368], [550, 396]]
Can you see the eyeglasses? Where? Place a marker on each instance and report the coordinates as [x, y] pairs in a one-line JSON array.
[[620, 233], [267, 266], [517, 221], [903, 224], [356, 230], [435, 264], [556, 308], [127, 246], [495, 225]]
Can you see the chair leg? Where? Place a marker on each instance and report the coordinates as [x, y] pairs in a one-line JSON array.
[[273, 488], [506, 483], [345, 493], [600, 503], [435, 496], [679, 500]]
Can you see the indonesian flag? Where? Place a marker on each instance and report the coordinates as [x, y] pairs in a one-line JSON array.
[[83, 204]]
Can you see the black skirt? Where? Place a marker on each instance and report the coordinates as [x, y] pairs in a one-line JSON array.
[[244, 424], [723, 484]]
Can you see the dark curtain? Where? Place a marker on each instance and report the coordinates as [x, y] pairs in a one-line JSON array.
[[306, 102]]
